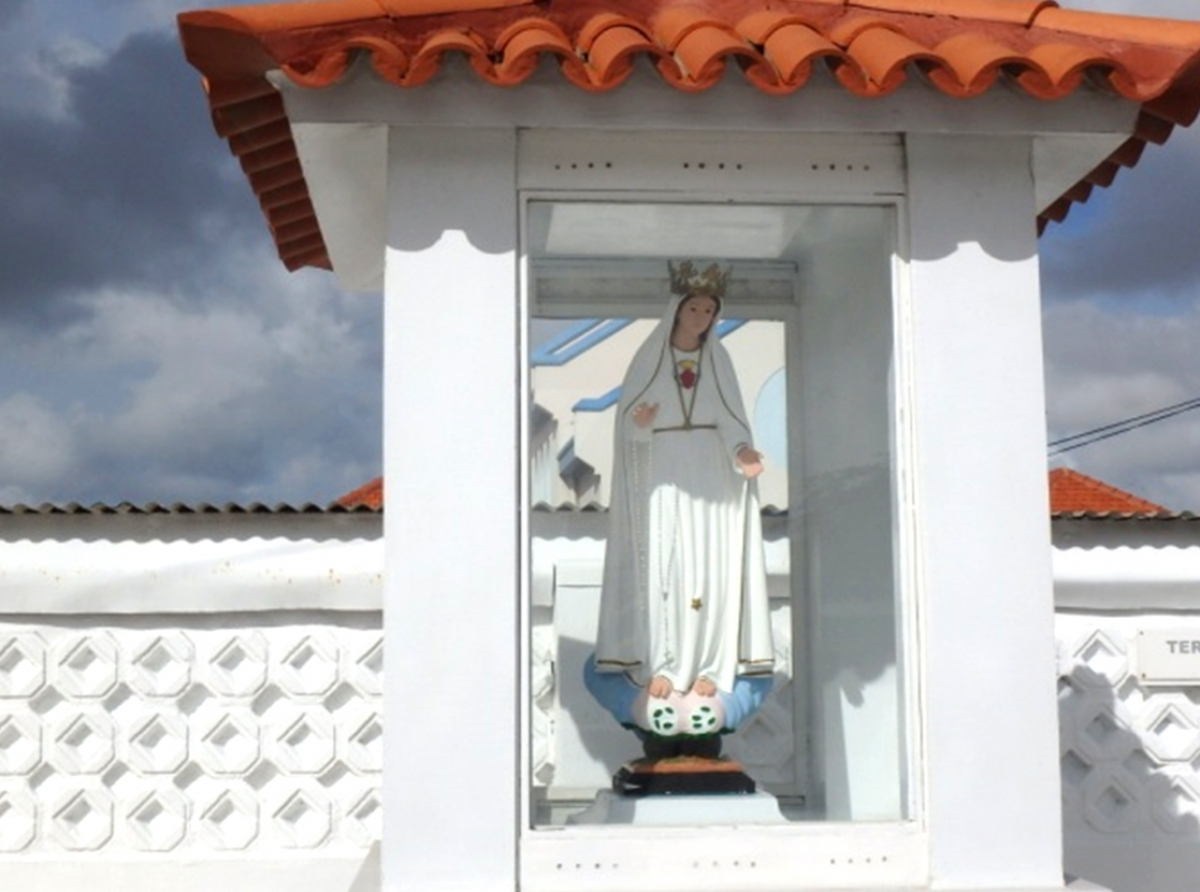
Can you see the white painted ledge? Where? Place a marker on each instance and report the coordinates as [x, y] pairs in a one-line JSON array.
[[207, 576], [276, 573], [1085, 886], [1145, 578], [236, 873]]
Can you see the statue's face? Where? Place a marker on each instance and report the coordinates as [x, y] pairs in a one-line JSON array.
[[695, 315]]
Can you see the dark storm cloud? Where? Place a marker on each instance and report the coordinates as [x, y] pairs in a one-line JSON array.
[[132, 187], [1138, 237], [152, 348], [11, 10]]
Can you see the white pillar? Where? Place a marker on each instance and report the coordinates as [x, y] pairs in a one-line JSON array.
[[451, 523], [992, 733]]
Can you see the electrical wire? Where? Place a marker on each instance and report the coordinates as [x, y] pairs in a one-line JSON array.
[[1106, 431]]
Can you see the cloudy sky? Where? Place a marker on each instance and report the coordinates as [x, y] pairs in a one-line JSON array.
[[153, 349], [151, 346]]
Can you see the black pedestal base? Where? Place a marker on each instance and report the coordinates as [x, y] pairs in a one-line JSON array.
[[681, 776]]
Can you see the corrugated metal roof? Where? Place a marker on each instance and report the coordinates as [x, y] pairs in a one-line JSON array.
[[368, 499], [1127, 516], [128, 509], [1073, 496], [962, 48]]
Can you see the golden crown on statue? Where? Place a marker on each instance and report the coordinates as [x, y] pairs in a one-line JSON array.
[[685, 280]]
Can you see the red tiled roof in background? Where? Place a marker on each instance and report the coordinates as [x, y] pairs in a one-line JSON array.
[[369, 495], [1070, 493], [961, 47], [1073, 493]]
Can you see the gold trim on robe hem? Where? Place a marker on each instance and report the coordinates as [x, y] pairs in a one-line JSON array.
[[684, 427]]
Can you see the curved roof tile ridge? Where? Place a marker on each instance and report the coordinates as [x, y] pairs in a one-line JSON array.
[[962, 48], [1013, 12]]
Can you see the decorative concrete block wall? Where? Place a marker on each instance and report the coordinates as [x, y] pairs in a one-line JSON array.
[[1129, 749], [1130, 753], [190, 702], [197, 736]]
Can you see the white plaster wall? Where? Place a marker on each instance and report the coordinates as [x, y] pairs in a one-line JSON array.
[[209, 575], [452, 525], [982, 508], [848, 553]]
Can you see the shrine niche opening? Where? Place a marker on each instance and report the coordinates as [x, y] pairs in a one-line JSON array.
[[808, 322]]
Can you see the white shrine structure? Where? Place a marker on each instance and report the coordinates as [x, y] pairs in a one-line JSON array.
[[496, 165], [875, 173]]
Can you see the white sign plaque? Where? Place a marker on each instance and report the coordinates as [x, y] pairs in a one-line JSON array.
[[1169, 656]]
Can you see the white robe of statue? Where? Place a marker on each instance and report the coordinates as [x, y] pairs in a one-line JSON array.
[[684, 593]]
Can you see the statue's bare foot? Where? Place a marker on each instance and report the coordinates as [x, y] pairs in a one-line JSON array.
[[659, 687], [704, 687]]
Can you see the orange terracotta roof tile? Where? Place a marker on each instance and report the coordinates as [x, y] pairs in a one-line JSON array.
[[961, 47], [369, 495], [1073, 493]]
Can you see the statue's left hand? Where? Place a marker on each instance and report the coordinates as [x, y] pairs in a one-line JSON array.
[[750, 462]]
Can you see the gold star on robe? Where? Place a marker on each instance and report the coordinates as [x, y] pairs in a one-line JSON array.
[[697, 603]]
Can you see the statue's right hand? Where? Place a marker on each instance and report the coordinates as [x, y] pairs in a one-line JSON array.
[[644, 414]]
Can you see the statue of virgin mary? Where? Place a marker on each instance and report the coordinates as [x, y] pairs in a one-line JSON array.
[[683, 610]]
